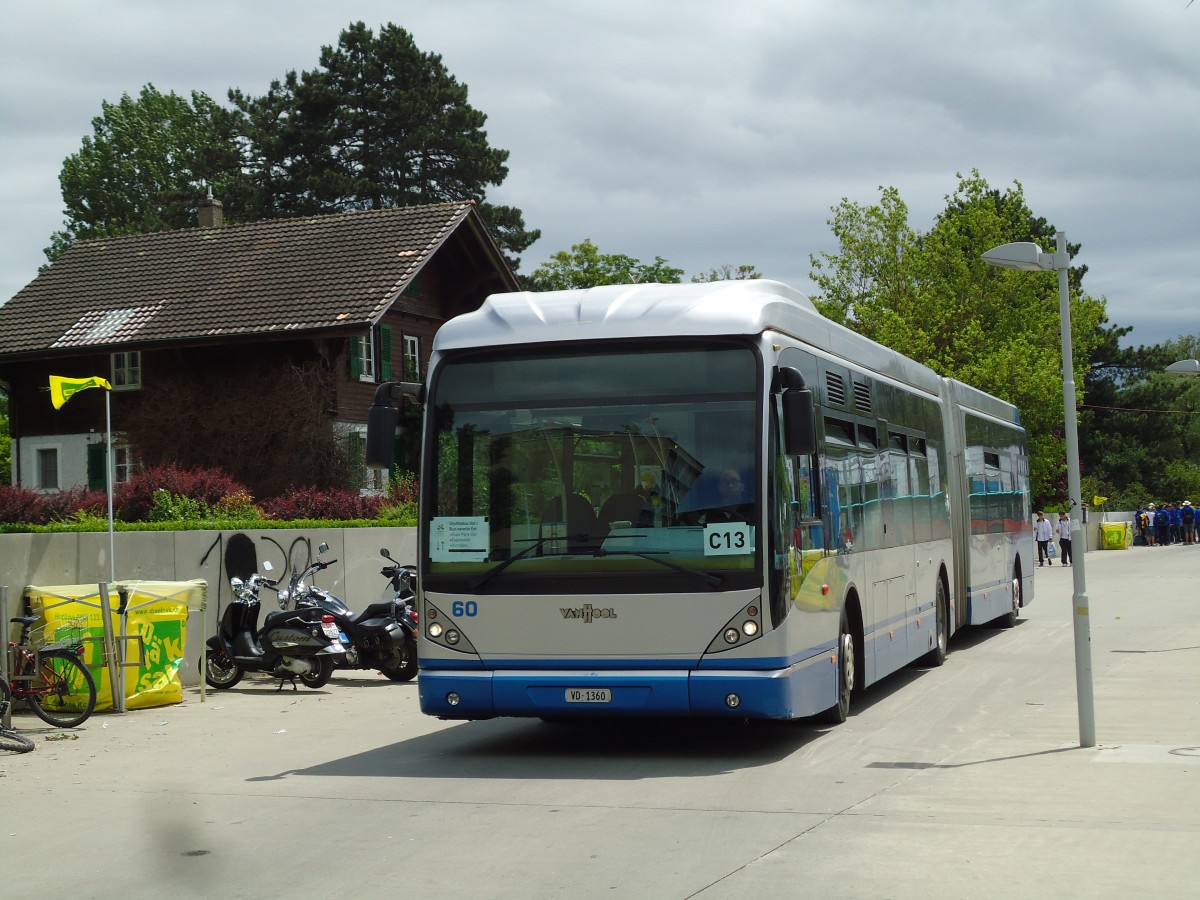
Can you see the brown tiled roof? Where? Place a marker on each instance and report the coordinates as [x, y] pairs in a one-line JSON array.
[[279, 275]]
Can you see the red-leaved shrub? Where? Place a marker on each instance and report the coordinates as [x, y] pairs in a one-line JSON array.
[[28, 507], [309, 503], [133, 500]]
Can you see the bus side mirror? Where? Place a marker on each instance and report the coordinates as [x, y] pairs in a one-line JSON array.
[[383, 418], [799, 421]]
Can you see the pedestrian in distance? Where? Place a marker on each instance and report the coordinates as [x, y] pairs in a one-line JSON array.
[[1043, 533], [1162, 525], [1188, 516], [1176, 526], [1151, 530], [1064, 539], [1141, 521]]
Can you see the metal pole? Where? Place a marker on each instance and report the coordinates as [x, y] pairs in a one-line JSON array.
[[116, 675], [7, 720], [1080, 617], [108, 481]]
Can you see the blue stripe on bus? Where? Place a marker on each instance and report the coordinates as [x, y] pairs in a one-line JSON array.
[[794, 691]]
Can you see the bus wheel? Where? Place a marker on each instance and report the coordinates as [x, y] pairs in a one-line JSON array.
[[846, 665], [941, 645], [1009, 619]]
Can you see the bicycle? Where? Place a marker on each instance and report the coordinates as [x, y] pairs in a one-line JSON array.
[[51, 677], [10, 739]]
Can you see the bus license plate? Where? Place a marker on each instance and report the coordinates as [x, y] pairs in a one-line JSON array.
[[589, 695]]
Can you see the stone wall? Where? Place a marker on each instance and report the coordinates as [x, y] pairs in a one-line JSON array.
[[61, 559]]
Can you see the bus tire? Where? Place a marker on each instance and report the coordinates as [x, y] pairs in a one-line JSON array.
[[1009, 619], [941, 638], [846, 668]]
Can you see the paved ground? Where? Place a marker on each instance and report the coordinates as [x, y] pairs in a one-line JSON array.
[[964, 781]]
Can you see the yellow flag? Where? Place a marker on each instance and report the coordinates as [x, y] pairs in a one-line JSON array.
[[63, 389], [1097, 500]]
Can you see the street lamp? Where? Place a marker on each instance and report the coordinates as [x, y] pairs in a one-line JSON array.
[[1029, 257]]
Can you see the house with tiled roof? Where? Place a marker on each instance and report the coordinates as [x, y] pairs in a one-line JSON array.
[[357, 294]]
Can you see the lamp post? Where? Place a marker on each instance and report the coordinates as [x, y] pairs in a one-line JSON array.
[[1029, 257]]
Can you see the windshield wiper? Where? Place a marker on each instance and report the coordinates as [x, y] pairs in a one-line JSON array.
[[713, 581], [536, 542]]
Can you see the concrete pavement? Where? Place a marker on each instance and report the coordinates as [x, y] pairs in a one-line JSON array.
[[963, 781]]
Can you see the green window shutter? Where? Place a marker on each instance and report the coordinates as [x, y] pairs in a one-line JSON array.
[[385, 352], [356, 367], [95, 468], [358, 455]]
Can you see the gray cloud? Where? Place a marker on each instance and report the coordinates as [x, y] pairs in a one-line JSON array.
[[706, 132]]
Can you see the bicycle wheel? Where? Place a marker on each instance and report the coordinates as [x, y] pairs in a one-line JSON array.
[[9, 739], [17, 743], [64, 693]]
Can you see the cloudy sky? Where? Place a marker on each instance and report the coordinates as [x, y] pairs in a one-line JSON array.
[[707, 133]]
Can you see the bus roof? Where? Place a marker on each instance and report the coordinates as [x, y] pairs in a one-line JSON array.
[[746, 307], [630, 311]]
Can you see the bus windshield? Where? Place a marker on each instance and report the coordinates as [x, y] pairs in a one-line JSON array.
[[634, 464]]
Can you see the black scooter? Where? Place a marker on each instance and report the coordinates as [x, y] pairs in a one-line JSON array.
[[381, 638], [292, 643]]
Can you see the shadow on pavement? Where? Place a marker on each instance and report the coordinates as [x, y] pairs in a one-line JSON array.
[[618, 749]]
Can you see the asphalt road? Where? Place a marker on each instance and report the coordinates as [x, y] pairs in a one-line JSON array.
[[963, 781]]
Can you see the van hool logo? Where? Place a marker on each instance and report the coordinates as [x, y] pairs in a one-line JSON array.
[[588, 613]]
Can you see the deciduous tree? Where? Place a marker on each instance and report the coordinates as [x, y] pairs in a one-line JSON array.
[[728, 272], [585, 266], [930, 296], [145, 166]]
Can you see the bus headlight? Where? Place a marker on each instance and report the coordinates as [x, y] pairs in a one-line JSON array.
[[743, 627], [452, 637], [435, 629]]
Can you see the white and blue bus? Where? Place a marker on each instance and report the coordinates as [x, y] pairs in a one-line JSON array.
[[697, 500]]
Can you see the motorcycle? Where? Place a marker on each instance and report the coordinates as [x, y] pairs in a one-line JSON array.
[[292, 643], [403, 580], [382, 637]]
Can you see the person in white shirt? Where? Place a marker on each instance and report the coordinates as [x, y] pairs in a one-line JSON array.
[[1064, 539], [1043, 533]]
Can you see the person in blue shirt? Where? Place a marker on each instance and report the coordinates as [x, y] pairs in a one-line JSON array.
[[1187, 513], [1162, 524], [1176, 524]]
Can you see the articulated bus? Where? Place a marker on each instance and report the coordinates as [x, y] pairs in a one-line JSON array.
[[697, 500]]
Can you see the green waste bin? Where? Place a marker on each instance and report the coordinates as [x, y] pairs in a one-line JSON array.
[[1114, 535]]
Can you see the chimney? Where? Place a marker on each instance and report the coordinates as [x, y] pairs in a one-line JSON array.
[[210, 213]]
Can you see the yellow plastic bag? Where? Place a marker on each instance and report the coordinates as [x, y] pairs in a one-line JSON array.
[[155, 622]]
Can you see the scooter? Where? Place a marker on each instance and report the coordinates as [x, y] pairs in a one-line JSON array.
[[292, 643], [382, 637]]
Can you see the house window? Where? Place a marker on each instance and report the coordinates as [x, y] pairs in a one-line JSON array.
[[372, 481], [123, 465], [127, 370], [47, 468], [362, 358], [122, 469], [412, 358]]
